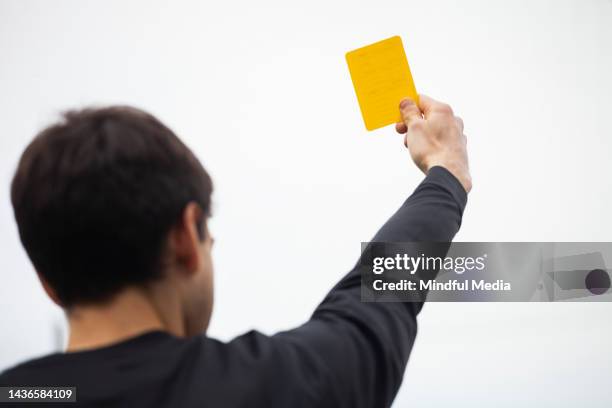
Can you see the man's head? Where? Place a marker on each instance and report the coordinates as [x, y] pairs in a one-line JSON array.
[[109, 199]]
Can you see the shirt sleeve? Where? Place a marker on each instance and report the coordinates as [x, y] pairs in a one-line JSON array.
[[356, 352]]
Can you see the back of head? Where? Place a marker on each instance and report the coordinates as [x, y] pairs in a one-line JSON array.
[[95, 196]]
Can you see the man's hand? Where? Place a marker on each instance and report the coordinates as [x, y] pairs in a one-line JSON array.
[[434, 137]]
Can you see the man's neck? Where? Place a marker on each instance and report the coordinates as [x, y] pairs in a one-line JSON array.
[[130, 313]]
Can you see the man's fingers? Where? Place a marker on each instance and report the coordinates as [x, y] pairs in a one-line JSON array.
[[429, 105], [410, 112], [400, 127]]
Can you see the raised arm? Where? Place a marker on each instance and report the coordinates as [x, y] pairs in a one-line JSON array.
[[353, 354], [361, 349]]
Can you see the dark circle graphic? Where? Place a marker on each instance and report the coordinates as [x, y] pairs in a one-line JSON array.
[[597, 281]]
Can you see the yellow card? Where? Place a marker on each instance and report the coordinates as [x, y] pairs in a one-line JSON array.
[[381, 77]]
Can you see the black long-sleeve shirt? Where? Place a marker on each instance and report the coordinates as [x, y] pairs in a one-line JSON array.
[[349, 354]]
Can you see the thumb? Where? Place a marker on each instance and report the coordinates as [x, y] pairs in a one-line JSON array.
[[410, 112]]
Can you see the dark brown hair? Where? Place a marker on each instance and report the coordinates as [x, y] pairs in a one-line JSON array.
[[95, 196]]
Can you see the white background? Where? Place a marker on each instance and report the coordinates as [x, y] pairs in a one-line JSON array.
[[261, 93]]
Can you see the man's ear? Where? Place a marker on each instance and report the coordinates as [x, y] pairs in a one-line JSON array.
[[185, 237], [49, 290]]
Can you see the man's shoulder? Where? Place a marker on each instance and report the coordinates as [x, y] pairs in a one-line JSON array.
[[198, 370], [78, 366], [154, 349]]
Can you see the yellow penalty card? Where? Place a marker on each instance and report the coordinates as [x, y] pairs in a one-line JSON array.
[[381, 77]]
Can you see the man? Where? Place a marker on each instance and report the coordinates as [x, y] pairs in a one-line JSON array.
[[112, 210]]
